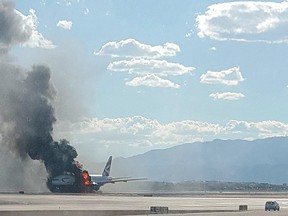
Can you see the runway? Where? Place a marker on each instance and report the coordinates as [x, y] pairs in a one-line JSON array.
[[137, 204]]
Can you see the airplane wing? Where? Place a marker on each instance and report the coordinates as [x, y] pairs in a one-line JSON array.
[[125, 179]]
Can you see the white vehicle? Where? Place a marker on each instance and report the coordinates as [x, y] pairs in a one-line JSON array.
[[272, 205]]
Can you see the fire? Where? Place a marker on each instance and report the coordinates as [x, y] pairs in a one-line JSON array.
[[85, 175], [78, 181], [86, 178]]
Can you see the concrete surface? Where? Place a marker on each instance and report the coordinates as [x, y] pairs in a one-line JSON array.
[[136, 204]]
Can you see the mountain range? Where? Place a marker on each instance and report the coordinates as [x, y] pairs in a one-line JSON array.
[[262, 160]]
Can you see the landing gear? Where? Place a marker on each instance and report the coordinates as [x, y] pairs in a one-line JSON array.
[[95, 187]]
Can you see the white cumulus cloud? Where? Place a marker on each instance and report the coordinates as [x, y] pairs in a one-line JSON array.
[[143, 131], [245, 21], [136, 129], [143, 66], [254, 130], [145, 61], [226, 96], [65, 24], [151, 80], [131, 48], [231, 76], [36, 39]]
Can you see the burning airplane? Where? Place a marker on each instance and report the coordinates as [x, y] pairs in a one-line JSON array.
[[84, 182], [27, 119], [71, 183], [26, 112], [27, 115]]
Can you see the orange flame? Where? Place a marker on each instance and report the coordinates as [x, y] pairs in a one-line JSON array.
[[87, 182], [85, 176]]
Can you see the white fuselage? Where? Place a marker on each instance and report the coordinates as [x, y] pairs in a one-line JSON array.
[[100, 180]]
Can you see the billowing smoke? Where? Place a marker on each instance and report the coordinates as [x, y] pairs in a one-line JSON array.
[[26, 113]]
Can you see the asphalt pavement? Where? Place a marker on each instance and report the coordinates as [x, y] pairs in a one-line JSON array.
[[138, 204]]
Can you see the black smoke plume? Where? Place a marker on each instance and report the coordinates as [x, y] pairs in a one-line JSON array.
[[27, 119], [26, 113]]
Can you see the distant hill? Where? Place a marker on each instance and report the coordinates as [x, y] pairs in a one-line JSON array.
[[263, 160]]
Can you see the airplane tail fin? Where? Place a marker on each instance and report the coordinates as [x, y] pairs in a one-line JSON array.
[[107, 168]]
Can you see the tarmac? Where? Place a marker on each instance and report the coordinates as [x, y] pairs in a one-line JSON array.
[[12, 204]]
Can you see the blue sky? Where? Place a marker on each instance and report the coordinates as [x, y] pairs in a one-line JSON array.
[[132, 76]]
